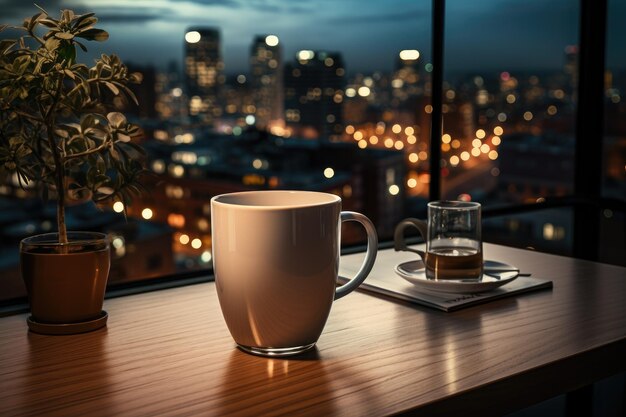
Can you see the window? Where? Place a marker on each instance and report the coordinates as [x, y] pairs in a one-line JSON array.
[[336, 97], [509, 110]]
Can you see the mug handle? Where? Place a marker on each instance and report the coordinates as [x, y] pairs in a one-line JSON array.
[[370, 255], [398, 236]]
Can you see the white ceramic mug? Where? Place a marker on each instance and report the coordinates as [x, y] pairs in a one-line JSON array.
[[276, 260]]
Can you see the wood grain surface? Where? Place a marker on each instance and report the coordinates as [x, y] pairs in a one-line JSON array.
[[170, 353]]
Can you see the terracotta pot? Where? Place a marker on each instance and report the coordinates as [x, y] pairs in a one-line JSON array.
[[65, 283]]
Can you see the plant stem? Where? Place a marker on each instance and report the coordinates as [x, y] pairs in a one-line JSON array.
[[60, 185], [59, 165]]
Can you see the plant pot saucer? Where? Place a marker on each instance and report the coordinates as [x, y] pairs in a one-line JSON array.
[[68, 328]]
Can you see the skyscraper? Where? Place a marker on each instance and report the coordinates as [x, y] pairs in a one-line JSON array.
[[266, 71], [203, 73], [571, 68], [314, 86], [407, 81]]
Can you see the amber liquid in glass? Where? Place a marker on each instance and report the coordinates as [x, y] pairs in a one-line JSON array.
[[454, 263]]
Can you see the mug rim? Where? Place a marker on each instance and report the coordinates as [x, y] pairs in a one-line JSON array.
[[322, 199], [454, 204]]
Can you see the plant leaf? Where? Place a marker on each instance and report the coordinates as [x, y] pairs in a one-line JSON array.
[[100, 164], [130, 94], [52, 44], [112, 87], [49, 22], [67, 15], [6, 44], [68, 52], [114, 153], [83, 47], [116, 119], [123, 137], [62, 133], [87, 122], [106, 190], [136, 77], [33, 21], [85, 20], [41, 8], [98, 35], [64, 35]]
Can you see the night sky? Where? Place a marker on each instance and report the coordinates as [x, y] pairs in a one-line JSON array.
[[481, 35]]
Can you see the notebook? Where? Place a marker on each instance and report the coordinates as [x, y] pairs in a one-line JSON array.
[[383, 280]]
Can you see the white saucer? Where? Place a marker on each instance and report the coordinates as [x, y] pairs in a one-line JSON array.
[[413, 271]]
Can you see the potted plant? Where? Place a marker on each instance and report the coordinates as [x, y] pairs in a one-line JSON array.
[[58, 131]]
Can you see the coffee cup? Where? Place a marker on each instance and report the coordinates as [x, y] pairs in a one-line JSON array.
[[276, 260], [453, 240]]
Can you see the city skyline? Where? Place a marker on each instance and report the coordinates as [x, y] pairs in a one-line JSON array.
[[313, 123], [486, 35]]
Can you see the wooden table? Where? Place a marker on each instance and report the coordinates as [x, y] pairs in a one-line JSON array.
[[170, 353]]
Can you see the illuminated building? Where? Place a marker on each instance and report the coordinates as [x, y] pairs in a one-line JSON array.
[[266, 79], [356, 110], [535, 166], [459, 119], [203, 73], [238, 100], [314, 86], [144, 91], [187, 175], [407, 76], [377, 184], [171, 102], [571, 66], [367, 97]]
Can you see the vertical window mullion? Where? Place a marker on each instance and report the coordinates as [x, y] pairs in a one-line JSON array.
[[589, 126], [436, 123]]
